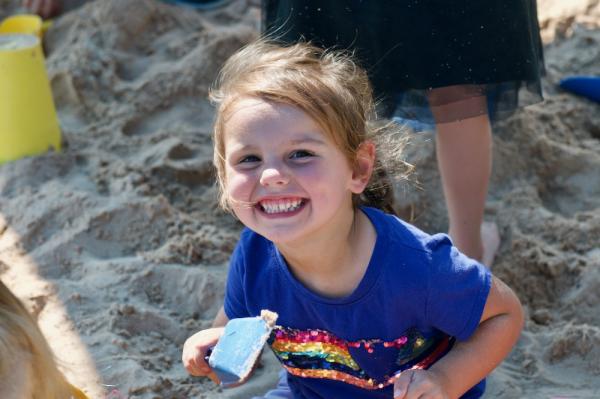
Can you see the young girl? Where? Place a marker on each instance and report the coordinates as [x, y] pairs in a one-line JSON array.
[[369, 306], [27, 366]]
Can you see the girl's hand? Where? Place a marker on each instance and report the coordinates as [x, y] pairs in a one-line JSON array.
[[195, 349], [418, 384]]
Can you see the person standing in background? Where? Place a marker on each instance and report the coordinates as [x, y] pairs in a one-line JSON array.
[[458, 65]]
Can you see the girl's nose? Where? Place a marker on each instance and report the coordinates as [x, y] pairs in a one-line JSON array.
[[273, 177]]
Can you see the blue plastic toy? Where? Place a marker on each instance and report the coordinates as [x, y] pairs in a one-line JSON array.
[[586, 86], [238, 349], [201, 4]]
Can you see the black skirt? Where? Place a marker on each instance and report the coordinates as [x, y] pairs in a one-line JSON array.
[[472, 48]]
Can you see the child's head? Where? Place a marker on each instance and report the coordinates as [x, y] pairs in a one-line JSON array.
[[27, 366], [327, 86]]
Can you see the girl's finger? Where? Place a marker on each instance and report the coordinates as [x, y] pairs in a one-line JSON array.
[[193, 369], [189, 364], [401, 384], [199, 366], [417, 389], [414, 393], [201, 363]]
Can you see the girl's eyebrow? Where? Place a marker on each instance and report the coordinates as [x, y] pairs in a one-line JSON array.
[[302, 140], [245, 147], [307, 140]]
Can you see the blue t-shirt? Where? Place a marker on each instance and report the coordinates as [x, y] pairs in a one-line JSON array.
[[418, 295]]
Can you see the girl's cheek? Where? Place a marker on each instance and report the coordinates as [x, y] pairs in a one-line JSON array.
[[238, 185], [312, 174]]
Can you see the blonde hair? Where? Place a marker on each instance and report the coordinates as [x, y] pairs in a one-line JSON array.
[[329, 87], [21, 338]]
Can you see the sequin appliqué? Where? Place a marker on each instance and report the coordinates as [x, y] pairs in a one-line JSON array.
[[320, 354]]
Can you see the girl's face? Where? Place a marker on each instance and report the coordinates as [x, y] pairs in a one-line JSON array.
[[284, 178]]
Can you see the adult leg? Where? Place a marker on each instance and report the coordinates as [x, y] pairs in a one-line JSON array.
[[464, 154]]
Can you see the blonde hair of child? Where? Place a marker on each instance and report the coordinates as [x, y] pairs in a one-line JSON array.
[[328, 86], [20, 337]]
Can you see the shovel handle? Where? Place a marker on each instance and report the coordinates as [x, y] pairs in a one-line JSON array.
[[213, 377]]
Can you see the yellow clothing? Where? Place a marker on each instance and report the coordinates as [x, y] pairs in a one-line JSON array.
[[77, 394]]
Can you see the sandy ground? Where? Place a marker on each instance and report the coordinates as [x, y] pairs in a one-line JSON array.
[[117, 246]]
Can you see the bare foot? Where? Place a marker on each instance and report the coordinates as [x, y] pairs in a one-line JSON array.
[[490, 239], [43, 8]]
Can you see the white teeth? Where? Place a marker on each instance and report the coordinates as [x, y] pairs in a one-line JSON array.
[[280, 206]]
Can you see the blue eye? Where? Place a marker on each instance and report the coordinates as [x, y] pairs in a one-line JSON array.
[[249, 158], [301, 154]]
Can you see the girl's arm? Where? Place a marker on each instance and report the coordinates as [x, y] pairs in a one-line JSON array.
[[472, 360], [221, 318]]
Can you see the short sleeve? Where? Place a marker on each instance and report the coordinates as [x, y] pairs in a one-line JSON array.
[[457, 290], [235, 303]]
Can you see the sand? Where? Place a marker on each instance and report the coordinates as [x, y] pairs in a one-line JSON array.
[[118, 247]]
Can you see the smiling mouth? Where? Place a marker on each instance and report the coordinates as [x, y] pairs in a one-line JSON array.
[[284, 205]]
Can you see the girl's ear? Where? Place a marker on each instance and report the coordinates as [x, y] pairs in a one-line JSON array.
[[363, 167]]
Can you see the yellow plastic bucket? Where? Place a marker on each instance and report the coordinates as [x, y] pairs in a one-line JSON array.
[[28, 121], [26, 23]]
